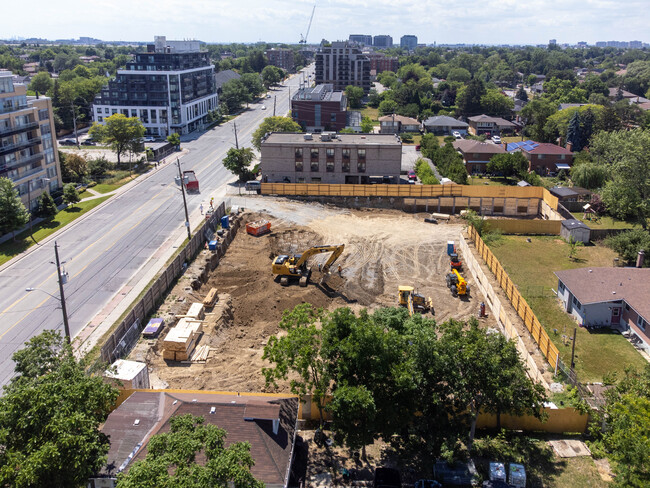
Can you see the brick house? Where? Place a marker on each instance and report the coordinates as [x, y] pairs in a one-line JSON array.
[[490, 126], [476, 154], [443, 125], [319, 108], [608, 297], [394, 124], [543, 157]]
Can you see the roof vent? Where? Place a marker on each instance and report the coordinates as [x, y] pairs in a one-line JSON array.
[[325, 137], [175, 402], [136, 422], [613, 293], [308, 137], [193, 400], [213, 409]]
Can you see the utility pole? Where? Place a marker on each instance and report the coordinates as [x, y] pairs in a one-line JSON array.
[[59, 275], [236, 142], [187, 217], [573, 348], [274, 100], [74, 123]]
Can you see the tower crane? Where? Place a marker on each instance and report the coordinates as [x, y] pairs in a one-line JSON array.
[[303, 40]]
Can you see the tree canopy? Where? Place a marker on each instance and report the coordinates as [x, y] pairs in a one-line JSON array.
[[13, 214], [238, 162], [354, 95], [273, 124], [122, 133]]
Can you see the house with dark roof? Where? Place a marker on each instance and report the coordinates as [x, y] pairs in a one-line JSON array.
[[394, 124], [476, 154], [609, 297], [544, 158], [268, 423], [443, 125], [565, 194], [490, 126], [223, 76]]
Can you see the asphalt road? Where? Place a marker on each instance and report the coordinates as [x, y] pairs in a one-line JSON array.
[[104, 251]]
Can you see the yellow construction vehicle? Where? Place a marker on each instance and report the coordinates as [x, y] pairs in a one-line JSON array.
[[457, 284], [294, 266], [411, 300]]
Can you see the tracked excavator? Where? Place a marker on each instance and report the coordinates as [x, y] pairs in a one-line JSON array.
[[294, 267], [414, 301]]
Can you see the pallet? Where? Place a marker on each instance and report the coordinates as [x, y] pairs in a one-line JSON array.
[[211, 298]]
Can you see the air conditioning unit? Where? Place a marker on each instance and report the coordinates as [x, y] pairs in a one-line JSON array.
[[325, 137], [308, 137]]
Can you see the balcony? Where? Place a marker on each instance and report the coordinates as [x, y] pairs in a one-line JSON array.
[[28, 174], [9, 131], [19, 145], [22, 162]]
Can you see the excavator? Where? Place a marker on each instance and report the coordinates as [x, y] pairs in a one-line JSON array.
[[289, 267], [457, 284], [411, 300]]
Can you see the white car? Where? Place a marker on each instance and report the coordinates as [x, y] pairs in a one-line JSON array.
[[263, 107], [496, 139], [149, 139], [456, 134]]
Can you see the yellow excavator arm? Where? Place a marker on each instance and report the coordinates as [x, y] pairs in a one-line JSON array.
[[335, 250]]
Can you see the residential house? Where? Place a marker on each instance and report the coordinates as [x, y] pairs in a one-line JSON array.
[[443, 125], [537, 87], [31, 68], [331, 158], [267, 423], [222, 77], [476, 154], [490, 126], [395, 124], [319, 108], [543, 157], [611, 297]]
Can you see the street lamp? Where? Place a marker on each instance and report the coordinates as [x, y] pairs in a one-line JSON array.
[[61, 277]]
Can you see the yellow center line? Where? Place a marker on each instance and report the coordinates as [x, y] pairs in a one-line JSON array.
[[37, 306]]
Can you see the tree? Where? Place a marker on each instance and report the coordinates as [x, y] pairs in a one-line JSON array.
[[46, 205], [497, 104], [589, 175], [120, 132], [354, 411], [366, 125], [387, 107], [469, 97], [522, 94], [171, 459], [273, 124], [271, 75], [76, 166], [574, 133], [13, 214], [253, 84], [41, 82], [98, 167], [374, 98], [234, 93], [459, 74], [508, 164], [354, 95], [296, 355], [174, 139], [628, 244], [50, 416], [535, 114], [238, 162], [70, 194]]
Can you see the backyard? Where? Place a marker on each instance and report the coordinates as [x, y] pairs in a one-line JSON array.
[[531, 266], [603, 222]]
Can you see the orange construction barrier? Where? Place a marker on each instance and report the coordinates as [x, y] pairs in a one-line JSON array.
[[258, 228]]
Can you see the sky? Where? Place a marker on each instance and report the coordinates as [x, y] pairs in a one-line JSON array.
[[440, 21]]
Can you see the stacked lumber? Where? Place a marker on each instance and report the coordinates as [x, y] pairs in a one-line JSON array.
[[200, 354], [222, 315], [210, 298], [181, 340], [196, 311]]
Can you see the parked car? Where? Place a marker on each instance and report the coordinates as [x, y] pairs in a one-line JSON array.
[[412, 176], [496, 139], [89, 142], [67, 142], [417, 147], [149, 139], [263, 107], [456, 134]]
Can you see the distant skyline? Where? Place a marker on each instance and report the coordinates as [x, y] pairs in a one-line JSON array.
[[443, 22]]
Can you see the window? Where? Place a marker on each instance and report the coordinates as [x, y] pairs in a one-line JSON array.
[[315, 180], [298, 153], [300, 180], [332, 117], [641, 323], [627, 307], [298, 165], [314, 166], [361, 166], [100, 119], [330, 166], [329, 152], [540, 156], [560, 287], [346, 154], [361, 154], [345, 167], [576, 303], [314, 154]]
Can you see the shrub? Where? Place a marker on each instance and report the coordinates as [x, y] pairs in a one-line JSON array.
[[425, 173]]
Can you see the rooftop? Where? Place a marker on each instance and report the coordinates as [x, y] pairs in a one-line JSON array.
[[533, 147], [399, 118], [495, 120], [472, 146], [444, 121], [341, 139], [563, 191], [594, 285]]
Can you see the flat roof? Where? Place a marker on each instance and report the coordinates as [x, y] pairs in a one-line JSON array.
[[299, 138]]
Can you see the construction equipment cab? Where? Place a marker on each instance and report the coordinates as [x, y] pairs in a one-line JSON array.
[[289, 267], [190, 181], [457, 284], [414, 301]]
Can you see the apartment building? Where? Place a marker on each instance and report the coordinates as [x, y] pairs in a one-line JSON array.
[[28, 154], [341, 65], [282, 58], [379, 63], [362, 39], [382, 41], [331, 158], [319, 108], [408, 42], [170, 87]]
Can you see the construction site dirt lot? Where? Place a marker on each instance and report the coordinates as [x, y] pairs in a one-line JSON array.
[[383, 249]]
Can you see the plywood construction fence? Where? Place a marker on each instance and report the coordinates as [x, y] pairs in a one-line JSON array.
[[524, 311], [526, 227]]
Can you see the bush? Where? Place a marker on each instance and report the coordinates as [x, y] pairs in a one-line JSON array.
[[406, 137], [425, 173], [628, 244], [70, 194], [46, 206], [97, 168]]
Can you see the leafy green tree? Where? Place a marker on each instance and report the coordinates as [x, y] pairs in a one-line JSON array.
[[354, 95], [13, 214], [234, 93], [174, 139], [459, 74], [76, 166], [387, 107], [273, 124], [41, 82], [238, 162], [98, 167], [50, 416], [366, 125], [296, 355], [120, 132], [535, 114], [628, 244], [70, 194], [374, 98], [469, 98], [354, 411], [508, 164], [425, 173], [574, 133], [589, 175], [522, 94], [253, 84], [496, 103], [46, 205], [171, 459], [271, 75]]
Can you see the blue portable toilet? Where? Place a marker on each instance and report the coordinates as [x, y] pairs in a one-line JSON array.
[[212, 245], [225, 223], [451, 248]]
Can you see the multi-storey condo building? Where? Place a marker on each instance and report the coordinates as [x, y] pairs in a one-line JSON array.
[[408, 42], [362, 39], [341, 65], [282, 58], [170, 88], [379, 63], [28, 154], [382, 41], [319, 108], [331, 158]]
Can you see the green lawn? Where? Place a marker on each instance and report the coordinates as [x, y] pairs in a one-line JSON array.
[[11, 249], [605, 222], [373, 113], [488, 181], [531, 266]]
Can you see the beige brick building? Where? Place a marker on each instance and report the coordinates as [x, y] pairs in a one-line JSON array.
[[331, 158], [28, 151]]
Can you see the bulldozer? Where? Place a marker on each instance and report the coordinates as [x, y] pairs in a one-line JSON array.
[[294, 267], [457, 284], [408, 298]]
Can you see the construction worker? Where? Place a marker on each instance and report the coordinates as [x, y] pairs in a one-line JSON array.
[[212, 203], [340, 269], [201, 208]]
